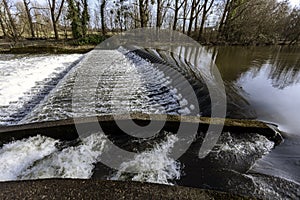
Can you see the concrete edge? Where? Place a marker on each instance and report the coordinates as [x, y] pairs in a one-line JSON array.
[[104, 189]]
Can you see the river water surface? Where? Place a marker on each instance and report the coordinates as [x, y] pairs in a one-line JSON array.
[[270, 77], [261, 83]]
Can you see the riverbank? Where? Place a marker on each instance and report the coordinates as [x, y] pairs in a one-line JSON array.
[[42, 46]]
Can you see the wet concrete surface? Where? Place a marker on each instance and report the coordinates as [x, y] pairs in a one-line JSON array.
[[66, 129], [95, 189]]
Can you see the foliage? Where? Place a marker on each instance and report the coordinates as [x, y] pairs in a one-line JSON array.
[[208, 21], [74, 16], [85, 17], [92, 39]]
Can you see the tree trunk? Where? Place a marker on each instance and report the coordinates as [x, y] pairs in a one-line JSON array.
[[11, 20], [159, 14], [196, 23], [184, 16], [54, 18], [221, 26], [176, 10], [2, 25], [143, 5], [85, 18], [204, 14], [102, 8], [54, 25], [191, 18], [29, 18]]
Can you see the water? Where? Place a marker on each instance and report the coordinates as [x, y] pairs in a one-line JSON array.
[[25, 81], [123, 88], [127, 85], [271, 79], [261, 82]]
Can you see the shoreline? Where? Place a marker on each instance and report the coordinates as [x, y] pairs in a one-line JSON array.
[[48, 49], [44, 46]]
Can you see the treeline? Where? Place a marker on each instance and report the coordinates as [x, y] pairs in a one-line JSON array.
[[208, 21]]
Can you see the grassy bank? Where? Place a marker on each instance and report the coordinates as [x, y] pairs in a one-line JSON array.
[[40, 46], [84, 45]]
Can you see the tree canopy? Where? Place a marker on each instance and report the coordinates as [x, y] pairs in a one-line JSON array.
[[227, 21]]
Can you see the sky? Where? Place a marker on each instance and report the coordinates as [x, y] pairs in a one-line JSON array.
[[294, 2]]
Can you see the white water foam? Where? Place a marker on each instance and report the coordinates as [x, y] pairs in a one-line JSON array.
[[19, 155], [255, 144], [124, 86], [18, 76], [154, 80], [71, 162], [153, 166], [39, 157], [23, 78]]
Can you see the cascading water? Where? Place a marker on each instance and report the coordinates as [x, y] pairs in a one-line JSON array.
[[24, 82], [131, 83]]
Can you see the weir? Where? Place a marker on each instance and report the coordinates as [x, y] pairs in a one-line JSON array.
[[149, 94], [65, 130]]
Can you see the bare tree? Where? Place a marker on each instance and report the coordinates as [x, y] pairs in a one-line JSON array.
[[185, 14], [102, 10], [178, 5], [55, 14], [26, 4], [144, 15], [159, 13], [193, 15], [291, 30], [206, 9], [2, 23], [11, 20]]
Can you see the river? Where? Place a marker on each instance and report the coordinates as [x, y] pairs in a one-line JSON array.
[[261, 83], [270, 77]]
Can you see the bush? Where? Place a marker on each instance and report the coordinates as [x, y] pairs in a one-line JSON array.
[[90, 39]]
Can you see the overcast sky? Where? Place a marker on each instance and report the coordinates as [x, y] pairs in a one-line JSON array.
[[294, 2]]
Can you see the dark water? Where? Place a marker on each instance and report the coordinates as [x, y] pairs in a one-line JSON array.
[[270, 78]]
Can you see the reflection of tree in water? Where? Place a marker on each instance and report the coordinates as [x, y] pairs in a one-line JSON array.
[[280, 65], [234, 61], [284, 70]]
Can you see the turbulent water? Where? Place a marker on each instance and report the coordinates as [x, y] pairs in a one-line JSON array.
[[40, 88], [126, 85], [41, 157], [25, 81]]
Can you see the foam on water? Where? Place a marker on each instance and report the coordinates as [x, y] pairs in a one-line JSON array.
[[19, 155], [256, 144], [158, 88], [40, 157], [125, 84], [71, 162], [20, 75], [153, 166], [23, 78]]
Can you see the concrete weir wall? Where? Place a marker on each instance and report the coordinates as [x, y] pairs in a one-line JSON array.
[[66, 129]]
